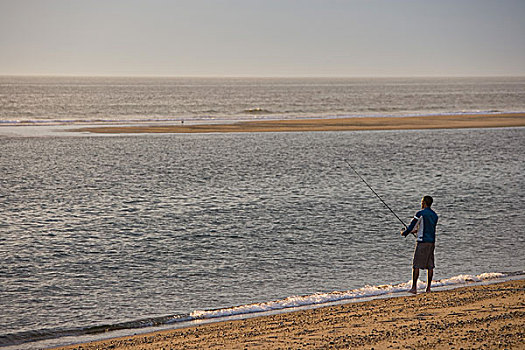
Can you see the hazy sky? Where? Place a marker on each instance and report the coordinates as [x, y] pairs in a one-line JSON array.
[[263, 37]]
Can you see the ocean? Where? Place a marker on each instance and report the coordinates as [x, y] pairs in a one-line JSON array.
[[59, 100], [124, 232]]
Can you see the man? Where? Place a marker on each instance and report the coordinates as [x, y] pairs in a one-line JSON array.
[[424, 225]]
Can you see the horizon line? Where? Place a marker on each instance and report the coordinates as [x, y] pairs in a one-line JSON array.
[[261, 76]]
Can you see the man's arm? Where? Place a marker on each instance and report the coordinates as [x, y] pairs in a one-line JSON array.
[[413, 224]]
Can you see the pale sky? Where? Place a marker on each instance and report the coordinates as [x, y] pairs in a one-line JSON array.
[[352, 38]]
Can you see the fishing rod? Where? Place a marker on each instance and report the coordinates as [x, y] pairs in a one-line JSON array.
[[381, 199]]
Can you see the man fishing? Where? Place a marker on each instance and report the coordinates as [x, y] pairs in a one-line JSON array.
[[424, 226]]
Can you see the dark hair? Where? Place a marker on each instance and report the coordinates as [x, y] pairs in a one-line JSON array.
[[428, 201]]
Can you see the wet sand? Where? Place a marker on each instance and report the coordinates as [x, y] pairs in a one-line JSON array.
[[335, 124], [476, 317]]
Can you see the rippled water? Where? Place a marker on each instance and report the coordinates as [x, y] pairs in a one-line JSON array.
[[49, 100], [101, 230]]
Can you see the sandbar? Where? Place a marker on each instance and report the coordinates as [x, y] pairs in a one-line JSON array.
[[476, 317], [329, 124]]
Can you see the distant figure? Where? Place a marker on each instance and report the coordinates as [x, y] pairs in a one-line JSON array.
[[424, 226]]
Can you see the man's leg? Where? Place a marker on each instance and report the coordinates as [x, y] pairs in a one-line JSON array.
[[430, 273], [415, 276]]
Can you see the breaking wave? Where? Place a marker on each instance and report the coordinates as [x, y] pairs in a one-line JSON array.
[[31, 339], [257, 111], [323, 298]]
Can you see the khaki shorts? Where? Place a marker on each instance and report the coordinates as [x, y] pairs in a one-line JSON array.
[[424, 256]]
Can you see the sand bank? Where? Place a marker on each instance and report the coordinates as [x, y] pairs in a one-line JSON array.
[[477, 317], [335, 124]]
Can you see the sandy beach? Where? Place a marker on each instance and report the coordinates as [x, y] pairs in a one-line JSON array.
[[334, 124], [477, 317]]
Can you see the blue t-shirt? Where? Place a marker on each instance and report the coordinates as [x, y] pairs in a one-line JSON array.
[[425, 221]]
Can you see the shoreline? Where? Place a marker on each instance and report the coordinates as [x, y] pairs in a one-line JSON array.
[[480, 316], [330, 124]]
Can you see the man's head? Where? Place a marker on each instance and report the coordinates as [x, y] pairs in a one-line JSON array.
[[426, 202]]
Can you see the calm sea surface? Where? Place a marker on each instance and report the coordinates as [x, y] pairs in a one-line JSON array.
[[47, 100], [111, 231]]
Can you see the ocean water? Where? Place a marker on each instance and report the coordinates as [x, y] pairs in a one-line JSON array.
[[56, 100], [121, 232], [125, 232]]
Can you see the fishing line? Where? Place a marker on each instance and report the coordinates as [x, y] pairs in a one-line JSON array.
[[381, 199]]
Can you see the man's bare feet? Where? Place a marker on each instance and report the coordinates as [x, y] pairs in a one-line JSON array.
[[413, 291], [427, 291]]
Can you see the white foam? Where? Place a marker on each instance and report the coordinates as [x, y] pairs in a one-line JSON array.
[[322, 298]]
